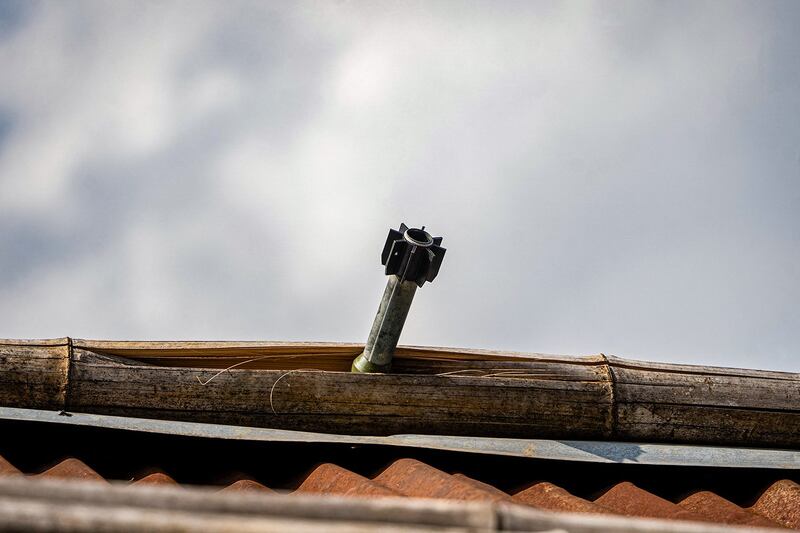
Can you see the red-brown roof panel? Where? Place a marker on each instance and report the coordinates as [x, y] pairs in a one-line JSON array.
[[246, 485], [553, 498], [627, 499], [156, 478], [781, 503], [7, 469], [718, 509], [332, 479], [778, 506], [72, 468], [419, 480]]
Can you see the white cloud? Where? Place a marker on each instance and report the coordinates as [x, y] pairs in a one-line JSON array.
[[599, 173]]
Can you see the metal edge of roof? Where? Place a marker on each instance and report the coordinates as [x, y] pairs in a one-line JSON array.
[[560, 450]]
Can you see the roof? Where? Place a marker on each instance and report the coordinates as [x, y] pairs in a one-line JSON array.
[[775, 500], [545, 391], [777, 506], [768, 497], [59, 506]]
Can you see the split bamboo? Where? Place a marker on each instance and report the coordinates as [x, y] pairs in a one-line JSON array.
[[307, 386]]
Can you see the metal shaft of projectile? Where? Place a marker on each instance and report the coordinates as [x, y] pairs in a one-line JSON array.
[[411, 257], [387, 326]]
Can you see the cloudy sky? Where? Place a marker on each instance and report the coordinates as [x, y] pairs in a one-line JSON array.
[[615, 177]]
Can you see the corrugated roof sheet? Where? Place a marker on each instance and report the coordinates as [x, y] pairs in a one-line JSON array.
[[777, 506]]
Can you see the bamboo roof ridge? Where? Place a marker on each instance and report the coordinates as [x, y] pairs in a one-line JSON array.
[[307, 386]]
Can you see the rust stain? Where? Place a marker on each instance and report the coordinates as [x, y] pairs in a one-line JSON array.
[[156, 478], [414, 478], [7, 469], [545, 495], [781, 503], [529, 451], [333, 479], [246, 485], [480, 484], [627, 499], [717, 509], [72, 469]]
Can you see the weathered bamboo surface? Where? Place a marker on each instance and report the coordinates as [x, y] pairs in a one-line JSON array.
[[34, 373], [306, 386], [662, 402]]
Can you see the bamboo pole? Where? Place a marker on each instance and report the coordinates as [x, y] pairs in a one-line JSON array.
[[306, 386]]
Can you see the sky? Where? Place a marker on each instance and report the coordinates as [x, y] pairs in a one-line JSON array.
[[612, 177]]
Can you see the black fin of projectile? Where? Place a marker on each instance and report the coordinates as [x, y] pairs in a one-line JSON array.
[[412, 254]]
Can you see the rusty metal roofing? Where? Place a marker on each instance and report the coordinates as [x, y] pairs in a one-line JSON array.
[[765, 497], [776, 506]]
